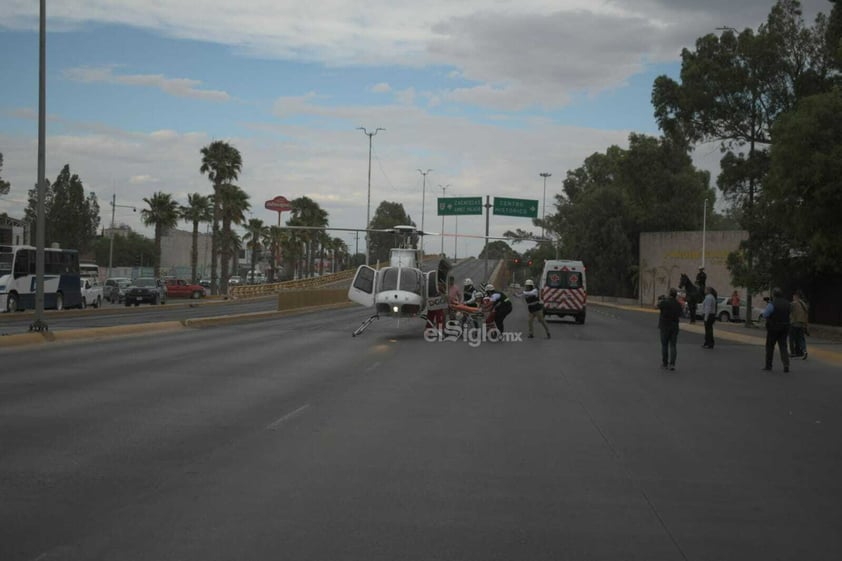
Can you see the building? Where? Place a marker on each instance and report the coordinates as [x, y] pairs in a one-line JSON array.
[[665, 255], [14, 231]]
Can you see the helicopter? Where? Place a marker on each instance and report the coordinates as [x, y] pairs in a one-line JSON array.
[[401, 289]]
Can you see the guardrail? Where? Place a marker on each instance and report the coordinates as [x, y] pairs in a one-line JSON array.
[[253, 290]]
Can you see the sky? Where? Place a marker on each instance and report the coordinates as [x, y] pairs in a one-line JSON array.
[[487, 94]]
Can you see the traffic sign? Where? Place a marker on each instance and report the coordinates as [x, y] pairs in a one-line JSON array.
[[515, 207], [278, 204], [449, 206]]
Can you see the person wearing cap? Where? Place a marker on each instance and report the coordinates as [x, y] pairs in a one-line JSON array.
[[701, 280], [500, 304], [670, 312], [534, 306], [777, 328]]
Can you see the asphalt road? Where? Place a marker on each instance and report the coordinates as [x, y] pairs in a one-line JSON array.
[[288, 439]]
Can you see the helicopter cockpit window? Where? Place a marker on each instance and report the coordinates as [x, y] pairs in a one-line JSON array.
[[389, 278], [412, 280]]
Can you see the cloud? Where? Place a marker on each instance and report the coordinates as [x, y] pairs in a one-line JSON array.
[[382, 87], [179, 87], [544, 49]]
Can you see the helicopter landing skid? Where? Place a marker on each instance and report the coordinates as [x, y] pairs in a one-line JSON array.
[[364, 325]]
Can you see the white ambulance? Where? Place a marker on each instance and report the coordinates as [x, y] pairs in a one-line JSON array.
[[564, 289]]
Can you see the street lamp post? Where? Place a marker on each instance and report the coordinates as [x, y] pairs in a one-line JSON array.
[[114, 205], [545, 175], [423, 205], [704, 230], [443, 191], [368, 204]]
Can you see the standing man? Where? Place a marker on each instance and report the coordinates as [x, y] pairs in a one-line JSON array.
[[535, 307], [777, 328], [701, 280], [709, 315], [670, 312], [798, 323]]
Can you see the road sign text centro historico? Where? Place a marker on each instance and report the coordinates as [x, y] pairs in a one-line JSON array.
[[515, 207], [449, 206]]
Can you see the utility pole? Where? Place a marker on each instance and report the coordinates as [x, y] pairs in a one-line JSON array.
[[443, 191], [545, 175], [40, 227], [704, 230], [423, 205], [114, 206], [368, 205]]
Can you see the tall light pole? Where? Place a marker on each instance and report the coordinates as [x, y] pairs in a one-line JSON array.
[[114, 205], [40, 227], [704, 230], [423, 196], [545, 175], [368, 204], [443, 191]]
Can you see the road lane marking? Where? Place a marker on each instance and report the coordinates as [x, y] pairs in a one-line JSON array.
[[275, 424], [372, 367]]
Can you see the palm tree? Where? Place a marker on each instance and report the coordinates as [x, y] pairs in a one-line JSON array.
[[222, 162], [198, 210], [163, 215], [233, 205], [307, 212], [340, 252], [275, 239], [256, 232]]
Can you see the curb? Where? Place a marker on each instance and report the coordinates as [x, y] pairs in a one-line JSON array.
[[98, 333]]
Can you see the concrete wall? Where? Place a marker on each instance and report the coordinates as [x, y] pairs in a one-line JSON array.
[[176, 246], [665, 255]]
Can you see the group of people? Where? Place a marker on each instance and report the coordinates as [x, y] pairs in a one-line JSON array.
[[786, 325], [500, 306]]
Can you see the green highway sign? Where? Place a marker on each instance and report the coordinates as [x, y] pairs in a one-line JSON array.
[[516, 207], [449, 206]]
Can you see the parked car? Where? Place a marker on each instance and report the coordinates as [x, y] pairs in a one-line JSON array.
[[146, 289], [114, 289], [180, 288], [91, 292], [205, 282], [235, 280]]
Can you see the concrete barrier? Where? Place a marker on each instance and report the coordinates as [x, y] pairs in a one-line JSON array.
[[304, 298]]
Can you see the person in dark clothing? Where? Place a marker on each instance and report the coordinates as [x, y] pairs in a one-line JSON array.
[[777, 328], [501, 305], [701, 280], [670, 312]]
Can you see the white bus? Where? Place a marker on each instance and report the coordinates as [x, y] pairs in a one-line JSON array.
[[62, 286]]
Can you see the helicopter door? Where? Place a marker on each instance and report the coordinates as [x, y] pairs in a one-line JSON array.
[[435, 301], [362, 289]]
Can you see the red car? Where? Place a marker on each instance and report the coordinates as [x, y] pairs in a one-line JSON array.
[[180, 288]]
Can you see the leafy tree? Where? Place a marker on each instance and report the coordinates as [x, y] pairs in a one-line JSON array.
[[733, 88], [805, 181], [198, 210], [497, 249], [71, 218], [163, 215], [5, 187], [222, 163], [130, 249], [613, 197], [233, 205], [388, 215]]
